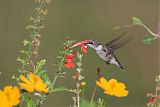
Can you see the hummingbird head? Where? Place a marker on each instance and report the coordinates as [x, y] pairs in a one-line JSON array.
[[94, 44]]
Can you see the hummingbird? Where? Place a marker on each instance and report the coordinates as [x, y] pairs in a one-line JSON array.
[[107, 51]]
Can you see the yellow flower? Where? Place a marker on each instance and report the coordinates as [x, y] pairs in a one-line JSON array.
[[33, 83], [9, 97], [112, 87]]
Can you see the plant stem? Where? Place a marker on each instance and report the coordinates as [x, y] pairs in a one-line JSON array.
[[59, 71], [93, 94], [78, 92], [153, 34]]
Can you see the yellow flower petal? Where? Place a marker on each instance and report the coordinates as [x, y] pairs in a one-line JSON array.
[[103, 80], [98, 83], [15, 95], [32, 78], [121, 93], [9, 97], [24, 79], [7, 89], [109, 92], [112, 87], [34, 83], [104, 83], [28, 87], [121, 86]]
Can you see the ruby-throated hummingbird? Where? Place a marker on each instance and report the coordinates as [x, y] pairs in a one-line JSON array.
[[106, 51]]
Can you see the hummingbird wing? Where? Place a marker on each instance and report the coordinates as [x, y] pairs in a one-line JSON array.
[[115, 44], [114, 60], [115, 39]]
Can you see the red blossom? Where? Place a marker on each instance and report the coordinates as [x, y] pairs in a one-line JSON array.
[[69, 60], [84, 49], [69, 64], [152, 99]]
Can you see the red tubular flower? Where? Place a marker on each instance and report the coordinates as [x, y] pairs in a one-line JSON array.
[[69, 60], [69, 64], [82, 44], [152, 99], [84, 49]]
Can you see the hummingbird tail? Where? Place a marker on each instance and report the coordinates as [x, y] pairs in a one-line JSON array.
[[118, 63], [114, 60]]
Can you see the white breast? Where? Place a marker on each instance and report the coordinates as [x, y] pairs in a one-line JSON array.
[[101, 53]]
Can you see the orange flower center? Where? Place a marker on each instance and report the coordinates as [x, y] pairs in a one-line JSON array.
[[113, 85]]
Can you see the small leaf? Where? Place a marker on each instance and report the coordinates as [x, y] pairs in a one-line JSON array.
[[48, 1], [59, 89], [148, 39], [46, 78], [21, 60], [137, 21], [79, 63], [80, 77], [26, 42], [101, 103], [39, 65]]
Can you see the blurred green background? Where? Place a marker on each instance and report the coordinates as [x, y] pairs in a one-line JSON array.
[[85, 19]]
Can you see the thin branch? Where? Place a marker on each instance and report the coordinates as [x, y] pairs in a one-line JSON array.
[[93, 94]]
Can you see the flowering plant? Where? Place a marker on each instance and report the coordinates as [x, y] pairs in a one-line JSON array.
[[34, 84]]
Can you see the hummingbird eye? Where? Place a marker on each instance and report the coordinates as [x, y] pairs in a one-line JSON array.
[[90, 42]]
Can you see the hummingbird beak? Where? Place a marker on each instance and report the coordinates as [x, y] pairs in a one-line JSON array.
[[84, 42]]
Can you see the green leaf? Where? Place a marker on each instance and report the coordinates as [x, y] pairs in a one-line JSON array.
[[39, 66], [148, 39], [31, 103], [137, 21], [59, 89], [28, 101], [80, 77], [22, 61], [46, 79], [101, 103], [26, 42], [85, 103]]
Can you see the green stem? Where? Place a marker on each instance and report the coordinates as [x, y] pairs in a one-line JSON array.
[[78, 93], [93, 94], [59, 70], [153, 34], [35, 31]]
